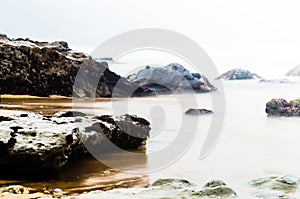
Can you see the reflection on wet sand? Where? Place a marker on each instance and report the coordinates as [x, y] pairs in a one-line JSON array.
[[80, 176], [46, 105]]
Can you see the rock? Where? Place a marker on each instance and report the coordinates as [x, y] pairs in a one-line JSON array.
[[43, 69], [280, 107], [214, 183], [238, 74], [39, 142], [294, 72], [15, 189], [275, 187], [281, 81], [193, 111], [167, 188], [171, 78], [57, 192]]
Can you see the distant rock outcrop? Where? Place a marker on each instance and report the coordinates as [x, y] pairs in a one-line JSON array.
[[43, 69], [294, 72], [238, 74], [171, 78], [193, 111]]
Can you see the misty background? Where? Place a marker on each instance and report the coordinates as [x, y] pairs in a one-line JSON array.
[[262, 36]]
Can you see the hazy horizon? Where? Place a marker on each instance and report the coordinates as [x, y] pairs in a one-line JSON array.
[[259, 36]]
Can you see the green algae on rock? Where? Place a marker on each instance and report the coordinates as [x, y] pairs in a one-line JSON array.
[[276, 187], [168, 188]]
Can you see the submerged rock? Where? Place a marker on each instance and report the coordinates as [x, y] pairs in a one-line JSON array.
[[281, 81], [280, 107], [193, 111], [171, 78], [167, 188], [276, 187], [238, 74], [40, 142], [294, 72], [43, 69]]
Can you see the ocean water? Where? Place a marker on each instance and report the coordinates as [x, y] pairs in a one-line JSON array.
[[251, 145]]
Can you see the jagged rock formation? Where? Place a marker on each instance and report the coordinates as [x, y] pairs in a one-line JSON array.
[[43, 69], [171, 78]]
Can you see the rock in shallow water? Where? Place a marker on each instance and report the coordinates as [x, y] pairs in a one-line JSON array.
[[39, 142], [168, 188], [171, 78], [276, 187], [280, 107], [193, 111]]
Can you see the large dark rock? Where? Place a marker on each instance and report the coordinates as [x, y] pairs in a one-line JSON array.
[[238, 74], [171, 78], [280, 107], [43, 69], [39, 142]]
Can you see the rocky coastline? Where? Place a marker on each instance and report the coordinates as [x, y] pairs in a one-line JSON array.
[[36, 68], [267, 188]]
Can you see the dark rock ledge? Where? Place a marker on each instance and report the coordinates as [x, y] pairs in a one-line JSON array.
[[32, 141], [30, 67]]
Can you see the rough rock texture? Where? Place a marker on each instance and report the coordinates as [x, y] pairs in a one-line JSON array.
[[31, 141], [15, 189], [169, 188], [171, 78], [43, 69], [193, 111], [294, 72], [238, 74], [280, 107], [276, 187]]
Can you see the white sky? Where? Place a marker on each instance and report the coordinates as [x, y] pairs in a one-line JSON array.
[[263, 36]]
